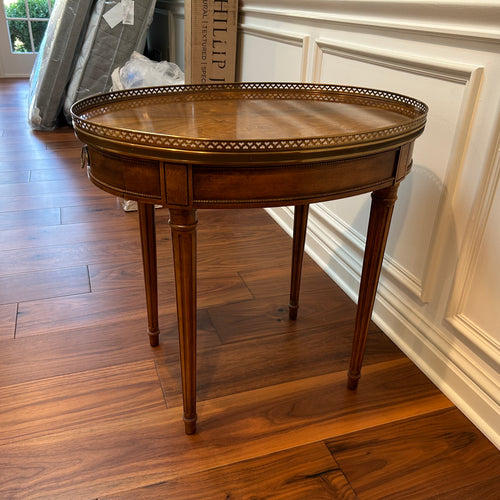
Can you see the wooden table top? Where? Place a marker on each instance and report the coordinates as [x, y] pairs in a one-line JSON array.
[[249, 122]]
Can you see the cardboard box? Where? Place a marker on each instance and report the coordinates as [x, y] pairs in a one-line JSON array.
[[210, 40]]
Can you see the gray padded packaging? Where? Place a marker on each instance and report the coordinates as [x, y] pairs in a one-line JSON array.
[[54, 63], [111, 38]]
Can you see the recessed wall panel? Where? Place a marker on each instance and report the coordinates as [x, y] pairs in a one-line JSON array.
[[269, 59], [484, 287], [419, 195]]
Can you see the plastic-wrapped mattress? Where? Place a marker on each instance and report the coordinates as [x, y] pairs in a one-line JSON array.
[[115, 30], [54, 63]]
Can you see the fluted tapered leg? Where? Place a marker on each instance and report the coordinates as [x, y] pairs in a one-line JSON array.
[[183, 226], [382, 207], [148, 245], [299, 238]]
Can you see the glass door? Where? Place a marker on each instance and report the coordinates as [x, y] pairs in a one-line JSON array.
[[22, 26]]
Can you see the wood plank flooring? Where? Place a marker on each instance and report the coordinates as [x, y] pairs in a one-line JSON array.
[[89, 410]]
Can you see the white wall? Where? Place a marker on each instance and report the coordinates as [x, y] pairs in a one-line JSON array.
[[439, 293]]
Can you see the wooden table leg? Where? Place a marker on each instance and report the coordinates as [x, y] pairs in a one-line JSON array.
[[382, 207], [299, 238], [183, 226], [148, 244]]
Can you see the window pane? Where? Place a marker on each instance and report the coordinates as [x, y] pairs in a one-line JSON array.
[[38, 9], [19, 36], [15, 8], [38, 29]]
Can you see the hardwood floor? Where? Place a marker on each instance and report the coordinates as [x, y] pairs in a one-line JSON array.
[[89, 410]]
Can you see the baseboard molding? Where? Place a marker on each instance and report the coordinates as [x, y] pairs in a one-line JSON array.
[[421, 341]]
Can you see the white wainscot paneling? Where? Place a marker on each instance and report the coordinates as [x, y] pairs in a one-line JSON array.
[[271, 55], [450, 89], [485, 284], [477, 280], [467, 19]]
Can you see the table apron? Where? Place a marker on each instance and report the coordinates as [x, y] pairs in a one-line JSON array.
[[179, 185], [292, 184]]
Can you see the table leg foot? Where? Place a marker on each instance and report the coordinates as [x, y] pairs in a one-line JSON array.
[[190, 425], [352, 381], [154, 338]]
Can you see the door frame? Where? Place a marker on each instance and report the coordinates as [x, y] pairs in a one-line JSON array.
[[12, 65]]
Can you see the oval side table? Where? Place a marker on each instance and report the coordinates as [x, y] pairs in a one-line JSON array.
[[248, 145]]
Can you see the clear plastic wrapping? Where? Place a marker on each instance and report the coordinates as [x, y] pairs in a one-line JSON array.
[[139, 71]]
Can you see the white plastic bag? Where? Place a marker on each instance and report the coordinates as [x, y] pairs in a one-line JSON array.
[[139, 71]]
